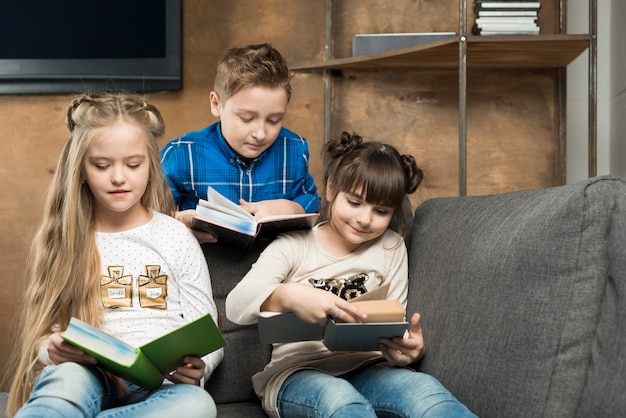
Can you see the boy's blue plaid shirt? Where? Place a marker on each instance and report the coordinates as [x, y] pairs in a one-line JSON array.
[[202, 158]]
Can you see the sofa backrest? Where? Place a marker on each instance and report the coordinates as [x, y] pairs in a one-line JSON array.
[[522, 298], [244, 355]]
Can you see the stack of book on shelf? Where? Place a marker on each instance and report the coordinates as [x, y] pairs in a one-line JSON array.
[[506, 17]]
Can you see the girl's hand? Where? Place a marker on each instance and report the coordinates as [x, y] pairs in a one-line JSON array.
[[191, 373], [401, 351], [271, 207], [185, 217], [311, 304], [60, 351]]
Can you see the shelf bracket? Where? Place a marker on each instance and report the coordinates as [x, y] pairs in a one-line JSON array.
[[593, 82], [462, 98], [327, 73]]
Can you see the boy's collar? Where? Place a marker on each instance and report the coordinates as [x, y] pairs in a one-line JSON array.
[[244, 160]]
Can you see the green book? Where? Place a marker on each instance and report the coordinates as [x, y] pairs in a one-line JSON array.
[[146, 365]]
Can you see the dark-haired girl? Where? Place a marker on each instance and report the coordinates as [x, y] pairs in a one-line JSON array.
[[304, 272]]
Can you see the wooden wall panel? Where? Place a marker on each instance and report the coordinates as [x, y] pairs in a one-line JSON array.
[[511, 115], [415, 111], [400, 16], [33, 130], [512, 132], [512, 129]]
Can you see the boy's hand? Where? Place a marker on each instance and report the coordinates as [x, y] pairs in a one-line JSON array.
[[271, 207], [191, 373], [185, 217], [401, 351]]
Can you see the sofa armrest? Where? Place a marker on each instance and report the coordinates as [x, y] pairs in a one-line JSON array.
[[511, 289]]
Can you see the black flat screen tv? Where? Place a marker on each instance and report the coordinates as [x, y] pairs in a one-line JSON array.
[[70, 46]]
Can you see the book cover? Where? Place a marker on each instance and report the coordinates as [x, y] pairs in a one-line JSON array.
[[343, 336], [146, 365], [336, 336], [506, 5], [530, 21], [275, 327], [235, 226], [505, 29], [508, 13]]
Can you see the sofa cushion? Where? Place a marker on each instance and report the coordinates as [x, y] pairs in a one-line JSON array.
[[244, 355], [510, 287]]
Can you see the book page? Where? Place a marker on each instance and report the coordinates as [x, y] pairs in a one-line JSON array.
[[377, 293], [93, 340], [218, 202], [204, 207], [220, 219]]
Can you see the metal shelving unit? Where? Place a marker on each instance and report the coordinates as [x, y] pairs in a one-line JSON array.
[[467, 52]]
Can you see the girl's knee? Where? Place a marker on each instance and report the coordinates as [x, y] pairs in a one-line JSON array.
[[70, 376], [69, 389], [344, 401], [198, 402]]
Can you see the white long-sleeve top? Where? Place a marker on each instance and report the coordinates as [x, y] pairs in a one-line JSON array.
[[154, 279], [299, 257]]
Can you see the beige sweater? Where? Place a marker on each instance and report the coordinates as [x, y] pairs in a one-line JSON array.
[[298, 257]]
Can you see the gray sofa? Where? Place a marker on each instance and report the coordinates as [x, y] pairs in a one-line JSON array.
[[522, 296]]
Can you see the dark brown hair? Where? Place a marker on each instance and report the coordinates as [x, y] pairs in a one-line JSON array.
[[378, 169]]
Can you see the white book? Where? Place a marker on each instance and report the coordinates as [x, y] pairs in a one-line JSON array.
[[234, 225], [507, 13], [505, 20], [509, 5], [504, 27], [509, 32]]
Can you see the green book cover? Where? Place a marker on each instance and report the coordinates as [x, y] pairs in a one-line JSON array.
[[146, 365]]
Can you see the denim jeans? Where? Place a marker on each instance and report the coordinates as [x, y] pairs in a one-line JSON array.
[[375, 390], [72, 390]]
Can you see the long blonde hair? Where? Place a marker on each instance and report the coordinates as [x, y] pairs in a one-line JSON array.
[[64, 260]]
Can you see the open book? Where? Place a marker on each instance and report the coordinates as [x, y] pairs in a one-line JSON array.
[[146, 365], [386, 318], [234, 225]]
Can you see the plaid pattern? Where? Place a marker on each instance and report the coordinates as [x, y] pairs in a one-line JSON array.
[[200, 159]]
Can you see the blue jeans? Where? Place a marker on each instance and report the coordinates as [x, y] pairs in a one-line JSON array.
[[72, 390], [375, 390]]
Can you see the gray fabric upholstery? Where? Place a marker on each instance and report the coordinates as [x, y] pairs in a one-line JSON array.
[[604, 393], [243, 354], [511, 288], [521, 296]]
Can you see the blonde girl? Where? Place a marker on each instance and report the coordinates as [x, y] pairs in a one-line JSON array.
[[107, 225]]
